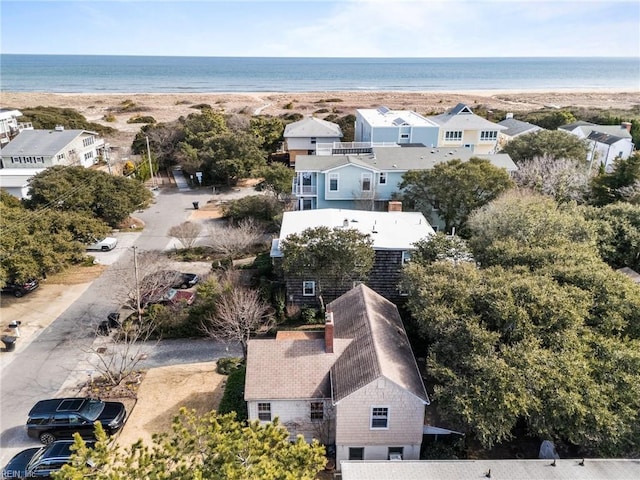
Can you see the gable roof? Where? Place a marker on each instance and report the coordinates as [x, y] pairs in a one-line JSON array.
[[388, 230], [601, 137], [587, 128], [517, 127], [312, 127], [369, 343], [41, 142], [461, 117], [380, 347], [398, 159]]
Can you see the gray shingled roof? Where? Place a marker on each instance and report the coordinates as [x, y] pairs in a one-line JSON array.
[[605, 138], [380, 346], [290, 369], [40, 142], [398, 159], [312, 127], [587, 128], [517, 127], [458, 119]]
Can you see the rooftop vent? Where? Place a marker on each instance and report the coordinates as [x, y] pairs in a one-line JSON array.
[[59, 128]]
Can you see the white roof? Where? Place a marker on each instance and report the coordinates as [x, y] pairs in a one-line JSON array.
[[6, 113], [388, 230], [41, 142], [17, 177], [462, 118], [564, 469], [383, 117]]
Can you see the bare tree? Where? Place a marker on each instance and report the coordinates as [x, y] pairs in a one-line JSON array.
[[631, 193], [186, 233], [238, 314], [560, 178], [231, 241], [118, 357]]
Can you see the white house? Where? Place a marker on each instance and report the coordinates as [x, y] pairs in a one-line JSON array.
[[383, 125], [606, 142], [32, 151], [460, 127], [9, 125], [356, 385], [302, 137]]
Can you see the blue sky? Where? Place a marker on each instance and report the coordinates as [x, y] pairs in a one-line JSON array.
[[355, 28]]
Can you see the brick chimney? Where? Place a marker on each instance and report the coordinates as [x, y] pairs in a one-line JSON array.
[[626, 126], [395, 206], [328, 332]]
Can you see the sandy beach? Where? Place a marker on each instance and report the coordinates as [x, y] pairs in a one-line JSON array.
[[170, 106]]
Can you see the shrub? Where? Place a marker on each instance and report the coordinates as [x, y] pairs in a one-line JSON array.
[[228, 365], [233, 397], [141, 119], [292, 117], [309, 315], [201, 106], [109, 117], [322, 110], [288, 106], [259, 207]]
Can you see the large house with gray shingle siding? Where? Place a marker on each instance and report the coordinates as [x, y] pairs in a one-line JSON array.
[[356, 385], [394, 234]]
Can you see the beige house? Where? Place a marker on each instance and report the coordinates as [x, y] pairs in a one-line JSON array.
[[356, 385], [460, 127], [302, 137]]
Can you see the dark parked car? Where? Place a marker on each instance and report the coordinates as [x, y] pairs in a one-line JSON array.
[[62, 417], [18, 289], [169, 278], [40, 462]]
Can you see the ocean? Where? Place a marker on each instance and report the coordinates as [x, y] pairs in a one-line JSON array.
[[134, 74]]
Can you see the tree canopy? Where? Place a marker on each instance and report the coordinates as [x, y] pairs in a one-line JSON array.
[[452, 190], [620, 185], [209, 446], [562, 179], [545, 334], [38, 242], [553, 144], [78, 189], [333, 258]]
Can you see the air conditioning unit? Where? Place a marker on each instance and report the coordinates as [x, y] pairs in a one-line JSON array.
[[395, 457]]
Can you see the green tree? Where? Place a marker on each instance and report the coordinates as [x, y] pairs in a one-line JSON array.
[[209, 446], [618, 233], [455, 187], [619, 185], [553, 144], [50, 117], [442, 247], [35, 243], [229, 157], [268, 131], [333, 258], [550, 120], [278, 179], [78, 189]]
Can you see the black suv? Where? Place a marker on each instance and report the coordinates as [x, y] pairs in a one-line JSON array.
[[40, 462], [62, 417], [18, 289]]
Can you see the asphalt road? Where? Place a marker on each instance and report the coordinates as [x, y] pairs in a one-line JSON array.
[[58, 355]]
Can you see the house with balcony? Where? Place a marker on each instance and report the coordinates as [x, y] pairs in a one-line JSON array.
[[368, 181], [32, 151], [461, 128], [9, 125], [394, 234], [606, 142], [385, 126], [355, 385], [300, 138]]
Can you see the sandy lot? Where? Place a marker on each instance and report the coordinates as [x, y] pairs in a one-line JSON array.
[[170, 106]]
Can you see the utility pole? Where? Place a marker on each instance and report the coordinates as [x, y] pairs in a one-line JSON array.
[[153, 179], [135, 271]]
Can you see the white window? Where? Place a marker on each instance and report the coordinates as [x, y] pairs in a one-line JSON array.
[[87, 141], [264, 412], [453, 136], [333, 182], [317, 411], [308, 288], [306, 179], [88, 155], [382, 179], [489, 135], [313, 140], [366, 182], [60, 156], [406, 257], [379, 417]]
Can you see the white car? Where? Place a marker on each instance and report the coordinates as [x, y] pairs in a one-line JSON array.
[[104, 245]]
